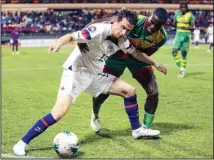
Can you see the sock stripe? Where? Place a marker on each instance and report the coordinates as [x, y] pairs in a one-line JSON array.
[[44, 122], [131, 106]]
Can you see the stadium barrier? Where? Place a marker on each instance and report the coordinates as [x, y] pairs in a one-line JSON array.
[[36, 42], [139, 6]]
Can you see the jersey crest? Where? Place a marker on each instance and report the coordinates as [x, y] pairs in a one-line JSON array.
[[92, 28]]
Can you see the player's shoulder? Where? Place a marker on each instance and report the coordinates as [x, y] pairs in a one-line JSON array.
[[163, 31], [140, 16], [177, 13], [99, 27], [141, 19], [189, 14]]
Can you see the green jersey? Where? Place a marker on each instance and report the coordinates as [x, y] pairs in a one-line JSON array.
[[183, 21]]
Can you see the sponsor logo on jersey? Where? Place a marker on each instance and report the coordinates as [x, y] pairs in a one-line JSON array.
[[92, 28]]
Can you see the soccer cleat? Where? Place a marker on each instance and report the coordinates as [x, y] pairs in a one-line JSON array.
[[182, 73], [144, 132], [13, 53], [19, 148], [208, 50], [95, 123], [17, 52]]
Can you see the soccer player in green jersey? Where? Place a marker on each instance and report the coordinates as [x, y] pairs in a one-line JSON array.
[[184, 22], [148, 36]]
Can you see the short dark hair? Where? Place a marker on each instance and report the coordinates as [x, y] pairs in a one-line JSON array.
[[160, 15], [130, 15]]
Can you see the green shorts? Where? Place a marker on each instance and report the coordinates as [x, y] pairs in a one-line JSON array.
[[182, 41], [118, 64]]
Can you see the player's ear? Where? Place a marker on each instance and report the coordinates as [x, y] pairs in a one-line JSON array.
[[114, 19]]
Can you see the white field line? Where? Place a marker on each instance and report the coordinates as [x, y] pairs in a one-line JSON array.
[[29, 69], [52, 68], [10, 155]]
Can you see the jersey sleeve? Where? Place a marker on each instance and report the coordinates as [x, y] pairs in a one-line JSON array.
[[90, 33], [126, 45], [165, 37], [192, 18], [175, 17]]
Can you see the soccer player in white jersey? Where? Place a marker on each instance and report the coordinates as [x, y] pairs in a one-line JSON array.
[[196, 38], [210, 37], [83, 72]]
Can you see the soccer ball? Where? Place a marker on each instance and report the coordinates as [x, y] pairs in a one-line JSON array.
[[65, 143]]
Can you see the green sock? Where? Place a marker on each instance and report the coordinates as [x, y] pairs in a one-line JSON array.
[[148, 119], [177, 59]]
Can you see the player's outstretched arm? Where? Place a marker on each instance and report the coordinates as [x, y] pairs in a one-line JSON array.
[[145, 58], [60, 42], [126, 46]]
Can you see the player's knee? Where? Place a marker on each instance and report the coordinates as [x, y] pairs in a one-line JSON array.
[[58, 112], [57, 115], [152, 91], [154, 95], [131, 92], [174, 51]]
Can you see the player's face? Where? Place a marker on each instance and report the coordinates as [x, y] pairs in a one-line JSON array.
[[153, 26], [122, 28], [183, 9]]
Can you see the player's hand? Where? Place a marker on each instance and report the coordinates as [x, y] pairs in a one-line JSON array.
[[186, 28], [54, 47], [161, 68], [83, 47]]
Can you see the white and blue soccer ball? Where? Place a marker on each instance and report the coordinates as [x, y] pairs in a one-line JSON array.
[[65, 143]]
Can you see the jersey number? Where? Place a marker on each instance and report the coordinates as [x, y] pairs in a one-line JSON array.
[[103, 58]]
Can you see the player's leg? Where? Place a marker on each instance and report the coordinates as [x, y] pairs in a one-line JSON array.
[[114, 67], [59, 110], [128, 92], [184, 50], [211, 46], [196, 44], [175, 49], [65, 98], [146, 78], [13, 48], [210, 41], [109, 84], [17, 48]]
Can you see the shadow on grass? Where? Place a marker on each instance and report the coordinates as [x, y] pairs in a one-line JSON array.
[[194, 74], [165, 129], [168, 128], [78, 154]]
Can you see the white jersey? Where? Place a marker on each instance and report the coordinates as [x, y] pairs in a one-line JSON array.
[[97, 37], [196, 34]]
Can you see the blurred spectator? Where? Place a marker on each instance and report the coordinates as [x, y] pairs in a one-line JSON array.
[[63, 21], [110, 1]]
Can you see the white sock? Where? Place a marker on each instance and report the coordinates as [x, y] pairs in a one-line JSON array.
[[21, 143]]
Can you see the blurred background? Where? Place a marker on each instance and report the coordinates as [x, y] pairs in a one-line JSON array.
[[50, 19]]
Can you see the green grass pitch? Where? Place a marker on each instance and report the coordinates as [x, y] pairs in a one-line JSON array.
[[30, 83]]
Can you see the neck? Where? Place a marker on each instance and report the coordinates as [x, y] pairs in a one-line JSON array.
[[145, 26]]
